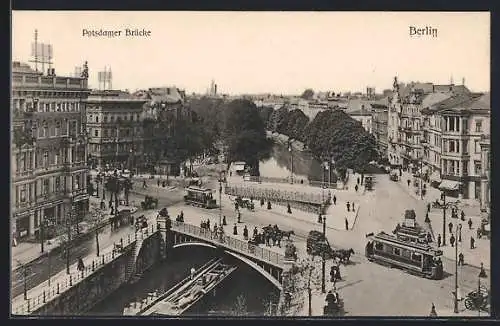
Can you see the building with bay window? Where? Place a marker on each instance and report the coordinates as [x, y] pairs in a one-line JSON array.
[[456, 144], [48, 149]]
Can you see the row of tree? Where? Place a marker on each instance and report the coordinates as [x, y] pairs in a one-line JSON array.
[[212, 126], [331, 134]]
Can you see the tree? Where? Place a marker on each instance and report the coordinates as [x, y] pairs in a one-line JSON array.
[[296, 123], [334, 133], [265, 113], [308, 94], [245, 134], [278, 120]]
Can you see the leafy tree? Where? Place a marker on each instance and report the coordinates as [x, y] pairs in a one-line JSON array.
[[265, 113], [278, 120], [334, 133], [296, 123], [245, 134], [308, 94]]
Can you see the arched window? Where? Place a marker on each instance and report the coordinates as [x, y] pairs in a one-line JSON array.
[[58, 128]]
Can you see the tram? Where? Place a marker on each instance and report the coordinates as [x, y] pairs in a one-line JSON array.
[[200, 197], [413, 256]]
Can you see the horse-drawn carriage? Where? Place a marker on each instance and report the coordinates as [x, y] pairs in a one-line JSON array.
[[478, 300], [149, 203], [244, 203], [318, 245]]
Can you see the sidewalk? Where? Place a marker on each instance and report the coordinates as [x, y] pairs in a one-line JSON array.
[[474, 257], [35, 295]]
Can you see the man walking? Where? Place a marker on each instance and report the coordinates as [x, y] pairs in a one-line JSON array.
[[470, 223], [346, 224], [348, 206], [334, 200], [461, 259], [472, 243], [452, 240], [450, 227], [439, 240]]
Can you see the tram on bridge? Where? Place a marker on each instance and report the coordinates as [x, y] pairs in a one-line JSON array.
[[199, 197]]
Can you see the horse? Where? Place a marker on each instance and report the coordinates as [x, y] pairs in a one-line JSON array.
[[343, 254], [287, 234]]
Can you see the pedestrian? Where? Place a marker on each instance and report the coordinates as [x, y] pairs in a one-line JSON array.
[[144, 184], [268, 205], [356, 188], [461, 259], [235, 229], [450, 227], [353, 206], [261, 202], [439, 240], [208, 224], [255, 232], [348, 206], [470, 223], [427, 219], [224, 220], [428, 207], [362, 178], [346, 224], [80, 266], [215, 227], [334, 200], [433, 311], [158, 182], [289, 208], [400, 172], [472, 243], [245, 233], [452, 240], [482, 273], [358, 180], [408, 181], [462, 215], [239, 217]]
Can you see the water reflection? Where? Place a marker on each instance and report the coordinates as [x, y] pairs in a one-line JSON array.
[[278, 166], [244, 284]]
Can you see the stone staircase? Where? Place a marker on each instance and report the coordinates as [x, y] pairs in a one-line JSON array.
[[132, 276]]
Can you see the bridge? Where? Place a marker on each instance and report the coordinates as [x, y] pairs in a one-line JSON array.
[[135, 247]]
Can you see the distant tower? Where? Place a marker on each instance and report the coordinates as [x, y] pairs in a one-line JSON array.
[[215, 90], [463, 81], [451, 80], [212, 88]]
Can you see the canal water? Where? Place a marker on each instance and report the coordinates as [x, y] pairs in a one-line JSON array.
[[279, 164], [245, 291]]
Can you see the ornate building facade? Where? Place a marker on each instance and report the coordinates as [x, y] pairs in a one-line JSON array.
[[114, 126], [48, 151]]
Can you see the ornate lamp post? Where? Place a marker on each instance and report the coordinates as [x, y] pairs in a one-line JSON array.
[[323, 287], [443, 197]]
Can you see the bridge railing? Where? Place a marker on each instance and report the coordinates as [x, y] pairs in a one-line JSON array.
[[64, 283], [227, 241]]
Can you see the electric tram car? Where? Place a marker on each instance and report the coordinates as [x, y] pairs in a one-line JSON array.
[[199, 197], [416, 258]]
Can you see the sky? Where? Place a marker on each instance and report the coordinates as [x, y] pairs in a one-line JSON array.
[[264, 52]]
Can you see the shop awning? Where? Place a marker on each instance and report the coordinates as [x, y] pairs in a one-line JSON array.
[[435, 176], [449, 185]]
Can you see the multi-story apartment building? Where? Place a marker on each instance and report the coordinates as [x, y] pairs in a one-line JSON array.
[[364, 116], [114, 127], [163, 107], [48, 153], [405, 131], [456, 144], [379, 122]]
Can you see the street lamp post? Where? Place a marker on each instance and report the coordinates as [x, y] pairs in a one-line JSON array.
[[220, 197], [443, 197], [421, 180], [42, 234], [25, 280], [291, 161], [455, 309], [323, 289]]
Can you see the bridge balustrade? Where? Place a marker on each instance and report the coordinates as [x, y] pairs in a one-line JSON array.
[[60, 286], [231, 243]]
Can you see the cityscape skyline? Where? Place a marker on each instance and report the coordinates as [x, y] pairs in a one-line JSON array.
[[287, 49]]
